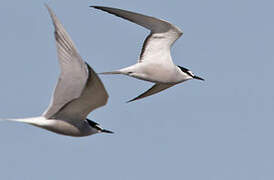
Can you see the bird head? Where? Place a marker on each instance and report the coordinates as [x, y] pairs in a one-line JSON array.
[[190, 74], [97, 127]]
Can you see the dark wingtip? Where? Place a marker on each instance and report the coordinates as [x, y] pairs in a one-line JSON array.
[[96, 7], [129, 101], [107, 131], [132, 100]]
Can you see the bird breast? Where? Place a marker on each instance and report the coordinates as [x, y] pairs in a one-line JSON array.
[[160, 73]]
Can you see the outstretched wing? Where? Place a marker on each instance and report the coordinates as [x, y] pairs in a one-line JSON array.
[[93, 96], [153, 90], [74, 72], [163, 34]]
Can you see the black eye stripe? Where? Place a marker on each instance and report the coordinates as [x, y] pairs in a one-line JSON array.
[[185, 70], [92, 123]]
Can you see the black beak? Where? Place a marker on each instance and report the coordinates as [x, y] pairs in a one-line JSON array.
[[197, 77], [106, 131]]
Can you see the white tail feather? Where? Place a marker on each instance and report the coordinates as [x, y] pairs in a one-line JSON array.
[[111, 72], [33, 120], [15, 120]]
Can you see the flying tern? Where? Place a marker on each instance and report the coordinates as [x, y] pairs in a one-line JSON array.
[[78, 92], [155, 63]]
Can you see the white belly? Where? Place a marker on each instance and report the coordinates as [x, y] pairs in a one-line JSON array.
[[60, 126], [158, 73]]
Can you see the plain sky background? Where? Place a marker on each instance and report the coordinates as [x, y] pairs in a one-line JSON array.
[[219, 129]]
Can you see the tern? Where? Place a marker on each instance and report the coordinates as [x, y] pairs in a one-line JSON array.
[[78, 92], [155, 63]]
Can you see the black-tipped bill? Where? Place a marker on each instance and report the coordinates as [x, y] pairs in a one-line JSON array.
[[106, 131], [197, 77]]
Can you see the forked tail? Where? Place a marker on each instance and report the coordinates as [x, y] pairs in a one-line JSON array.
[[4, 119], [111, 72], [33, 120]]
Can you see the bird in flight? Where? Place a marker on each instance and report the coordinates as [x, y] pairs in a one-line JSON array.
[[155, 63], [78, 92]]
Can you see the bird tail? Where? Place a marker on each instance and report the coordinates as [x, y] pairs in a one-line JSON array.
[[111, 72], [16, 120], [23, 120]]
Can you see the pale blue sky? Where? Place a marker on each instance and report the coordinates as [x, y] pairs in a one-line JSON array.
[[220, 129]]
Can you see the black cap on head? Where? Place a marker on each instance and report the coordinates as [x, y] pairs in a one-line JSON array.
[[92, 123], [185, 70], [96, 126], [188, 72]]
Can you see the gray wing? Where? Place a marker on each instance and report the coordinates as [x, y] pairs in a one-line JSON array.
[[157, 44], [93, 96], [153, 90], [74, 72]]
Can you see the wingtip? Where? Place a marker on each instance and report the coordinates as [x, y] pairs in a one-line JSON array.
[[132, 100], [129, 101], [96, 7], [48, 8], [103, 8], [46, 5], [52, 15]]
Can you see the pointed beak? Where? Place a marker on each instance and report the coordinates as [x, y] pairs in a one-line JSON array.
[[197, 77], [106, 131]]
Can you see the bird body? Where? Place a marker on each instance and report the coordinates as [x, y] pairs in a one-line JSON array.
[[59, 126], [155, 63], [78, 92], [155, 72]]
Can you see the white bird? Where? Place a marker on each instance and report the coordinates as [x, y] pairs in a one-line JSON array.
[[155, 63], [78, 92]]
